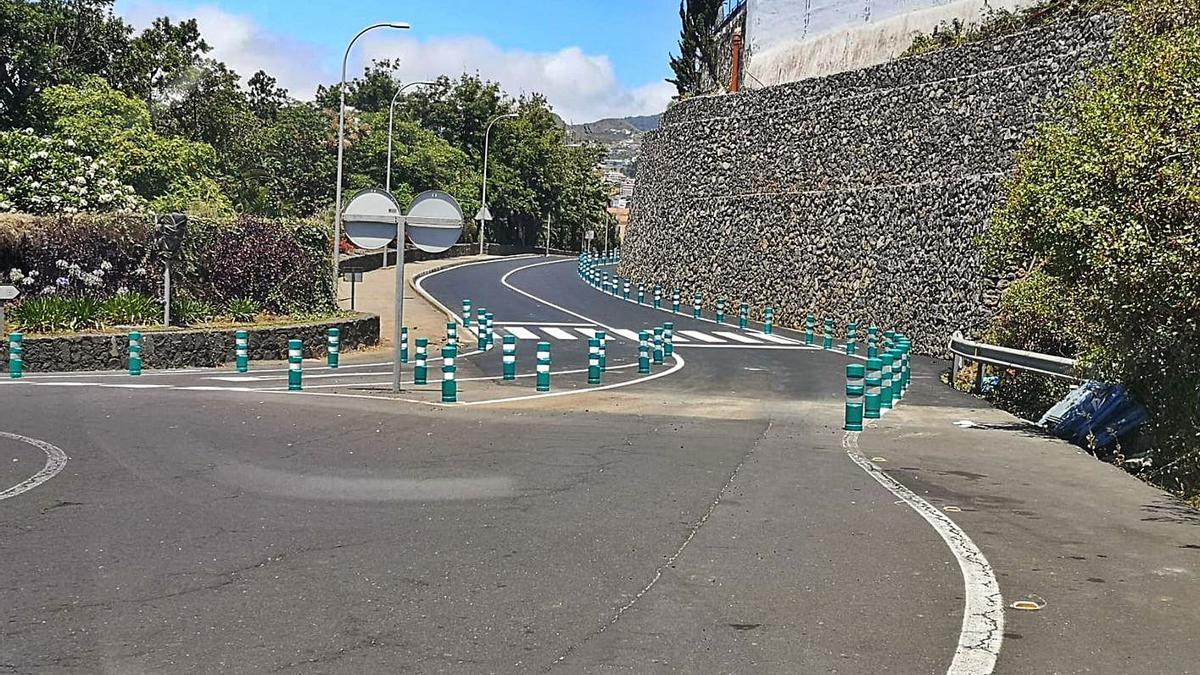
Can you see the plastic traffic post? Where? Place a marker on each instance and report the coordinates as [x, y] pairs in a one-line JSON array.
[[452, 333], [543, 366], [827, 342], [404, 344], [333, 345], [16, 356], [675, 301], [810, 323], [641, 294], [668, 339], [696, 306], [295, 364], [855, 390], [421, 369], [872, 342], [871, 402], [508, 357], [768, 320], [657, 297], [466, 313], [593, 361], [491, 331], [644, 352], [885, 380], [658, 345], [135, 353], [603, 338], [744, 316], [852, 338], [449, 384], [626, 289], [241, 350]]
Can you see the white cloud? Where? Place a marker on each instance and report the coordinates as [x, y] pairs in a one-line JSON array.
[[581, 87]]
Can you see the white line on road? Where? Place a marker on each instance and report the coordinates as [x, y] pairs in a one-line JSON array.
[[627, 334], [737, 337], [557, 333], [703, 337], [56, 459], [521, 333], [777, 339], [982, 629], [588, 333]]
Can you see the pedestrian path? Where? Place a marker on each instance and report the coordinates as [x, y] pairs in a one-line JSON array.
[[571, 332]]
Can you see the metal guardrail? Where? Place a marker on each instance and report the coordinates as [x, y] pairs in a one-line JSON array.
[[1006, 357]]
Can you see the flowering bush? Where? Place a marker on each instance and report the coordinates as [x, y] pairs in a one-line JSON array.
[[45, 175]]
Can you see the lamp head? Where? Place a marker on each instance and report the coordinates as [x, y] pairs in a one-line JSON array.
[[402, 25]]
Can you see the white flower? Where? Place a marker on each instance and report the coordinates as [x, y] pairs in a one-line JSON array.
[[27, 281], [15, 274], [40, 154], [121, 290], [105, 265], [54, 199], [98, 273], [79, 180], [70, 142], [61, 264], [141, 272]]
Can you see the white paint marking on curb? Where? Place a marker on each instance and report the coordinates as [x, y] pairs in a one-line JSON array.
[[56, 459], [982, 629]]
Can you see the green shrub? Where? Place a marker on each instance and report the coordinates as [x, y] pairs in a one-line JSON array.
[[54, 313], [186, 311], [999, 22], [132, 309], [243, 310], [1105, 206]]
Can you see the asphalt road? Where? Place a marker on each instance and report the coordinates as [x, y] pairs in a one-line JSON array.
[[711, 519]]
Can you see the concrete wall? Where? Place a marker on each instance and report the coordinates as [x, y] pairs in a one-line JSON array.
[[188, 348], [789, 40], [855, 196]]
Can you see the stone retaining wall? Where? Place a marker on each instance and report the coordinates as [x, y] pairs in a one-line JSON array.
[[856, 196], [189, 348]]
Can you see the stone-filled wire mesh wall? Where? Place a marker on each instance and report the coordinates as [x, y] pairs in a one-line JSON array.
[[856, 196]]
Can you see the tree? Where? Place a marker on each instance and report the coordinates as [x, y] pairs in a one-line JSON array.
[[153, 60], [697, 66], [372, 92], [54, 42], [264, 96]]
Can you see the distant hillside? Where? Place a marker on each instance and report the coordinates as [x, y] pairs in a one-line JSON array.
[[622, 136]]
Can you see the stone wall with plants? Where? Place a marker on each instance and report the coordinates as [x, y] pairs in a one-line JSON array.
[[200, 347], [857, 196]]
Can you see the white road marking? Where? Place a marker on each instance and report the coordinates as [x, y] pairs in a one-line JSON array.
[[557, 333], [56, 459], [777, 339], [627, 334], [676, 337], [737, 337], [982, 629], [542, 323], [521, 333], [703, 337], [135, 386], [588, 333]]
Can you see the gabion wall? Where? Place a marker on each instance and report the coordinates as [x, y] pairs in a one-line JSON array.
[[856, 196]]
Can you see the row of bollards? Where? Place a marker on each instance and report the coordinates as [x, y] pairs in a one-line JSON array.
[[878, 386]]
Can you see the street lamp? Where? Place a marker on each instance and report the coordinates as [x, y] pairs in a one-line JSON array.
[[391, 117], [483, 199], [337, 204]]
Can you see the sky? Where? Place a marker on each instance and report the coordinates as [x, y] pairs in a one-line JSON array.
[[591, 58]]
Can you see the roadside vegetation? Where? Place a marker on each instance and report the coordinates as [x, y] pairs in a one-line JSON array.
[[1000, 22], [1102, 219]]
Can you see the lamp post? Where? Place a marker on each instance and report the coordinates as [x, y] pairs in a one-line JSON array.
[[337, 204], [483, 198]]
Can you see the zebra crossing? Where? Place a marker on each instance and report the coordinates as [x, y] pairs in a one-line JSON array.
[[561, 332]]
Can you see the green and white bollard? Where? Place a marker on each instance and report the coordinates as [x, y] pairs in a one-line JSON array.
[[852, 338], [871, 402], [626, 290], [604, 283], [449, 384], [768, 320], [668, 339], [135, 353], [603, 338], [810, 324], [744, 316], [593, 361], [16, 356], [644, 352], [675, 301], [508, 357], [885, 380], [889, 339], [616, 286], [543, 366], [452, 333], [720, 310], [641, 294], [421, 369], [872, 342], [333, 345], [657, 297], [827, 341], [466, 313], [658, 345], [480, 321], [491, 331], [295, 364], [855, 390], [404, 344], [696, 306], [241, 350]]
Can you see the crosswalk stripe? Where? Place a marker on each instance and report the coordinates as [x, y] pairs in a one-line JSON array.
[[703, 337], [557, 333], [777, 339], [521, 333], [676, 337], [588, 333], [627, 334], [737, 337]]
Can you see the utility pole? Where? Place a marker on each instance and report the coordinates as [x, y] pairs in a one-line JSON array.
[[547, 234]]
